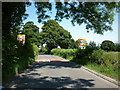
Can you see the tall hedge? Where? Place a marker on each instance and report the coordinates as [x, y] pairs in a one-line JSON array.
[[17, 57]]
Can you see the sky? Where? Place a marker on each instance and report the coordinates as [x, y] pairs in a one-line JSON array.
[[77, 32]]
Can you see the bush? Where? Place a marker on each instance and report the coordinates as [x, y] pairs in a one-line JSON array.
[[85, 52], [65, 53], [44, 50], [107, 45], [106, 58], [117, 47], [97, 56], [17, 58], [35, 49], [111, 58]]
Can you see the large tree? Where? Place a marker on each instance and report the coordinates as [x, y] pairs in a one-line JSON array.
[[98, 16], [55, 35], [31, 31], [12, 16], [13, 13]]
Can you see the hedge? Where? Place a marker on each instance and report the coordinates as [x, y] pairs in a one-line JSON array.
[[18, 59], [65, 53]]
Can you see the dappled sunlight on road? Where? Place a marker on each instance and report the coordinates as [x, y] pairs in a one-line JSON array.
[[57, 74]]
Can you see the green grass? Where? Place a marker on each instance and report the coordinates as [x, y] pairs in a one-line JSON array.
[[105, 70], [100, 61]]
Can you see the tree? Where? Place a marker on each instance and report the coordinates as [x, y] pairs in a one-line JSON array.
[[73, 44], [14, 56], [117, 46], [92, 44], [31, 31], [55, 35], [97, 16], [107, 45], [12, 16]]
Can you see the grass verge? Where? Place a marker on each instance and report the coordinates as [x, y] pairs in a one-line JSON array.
[[102, 69]]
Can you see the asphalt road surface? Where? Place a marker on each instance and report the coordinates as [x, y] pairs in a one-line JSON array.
[[54, 72]]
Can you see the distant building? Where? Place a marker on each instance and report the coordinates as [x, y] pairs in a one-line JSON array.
[[58, 47]]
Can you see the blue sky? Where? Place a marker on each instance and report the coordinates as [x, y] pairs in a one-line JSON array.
[[77, 32]]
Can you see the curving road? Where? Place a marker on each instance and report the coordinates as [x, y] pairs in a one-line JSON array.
[[54, 72]]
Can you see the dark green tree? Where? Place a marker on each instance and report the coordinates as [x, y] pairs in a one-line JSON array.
[[12, 16], [73, 44], [14, 56], [107, 45], [32, 32], [97, 16], [117, 47], [92, 45], [55, 35]]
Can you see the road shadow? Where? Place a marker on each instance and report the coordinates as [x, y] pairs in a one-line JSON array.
[[49, 82], [53, 65], [42, 54], [30, 79]]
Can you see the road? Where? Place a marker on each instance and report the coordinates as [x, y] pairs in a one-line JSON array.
[[54, 72]]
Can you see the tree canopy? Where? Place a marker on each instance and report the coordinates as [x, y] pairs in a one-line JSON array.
[[12, 16], [31, 31], [55, 35], [98, 16], [107, 45]]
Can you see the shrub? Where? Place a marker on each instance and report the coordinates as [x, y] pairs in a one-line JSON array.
[[44, 50], [85, 52], [117, 47], [97, 56], [107, 45], [15, 61], [111, 58], [64, 52], [35, 49], [106, 58]]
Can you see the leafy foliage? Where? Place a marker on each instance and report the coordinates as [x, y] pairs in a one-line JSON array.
[[108, 60], [55, 35], [15, 57], [92, 45], [44, 50], [31, 31], [97, 16], [117, 47], [65, 53], [97, 56], [107, 45], [73, 44], [12, 16]]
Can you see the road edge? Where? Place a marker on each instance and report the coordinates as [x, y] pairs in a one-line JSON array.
[[98, 74], [103, 76]]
